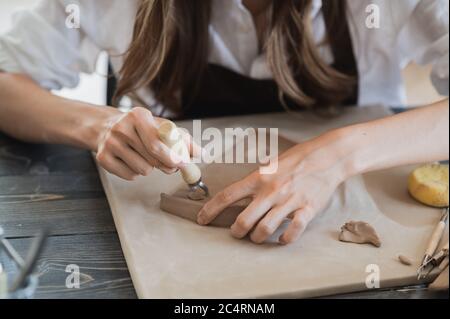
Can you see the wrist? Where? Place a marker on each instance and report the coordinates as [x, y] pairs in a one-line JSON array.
[[92, 126], [343, 150]]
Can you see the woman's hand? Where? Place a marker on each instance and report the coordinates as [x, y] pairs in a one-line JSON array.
[[129, 145], [309, 173], [307, 176]]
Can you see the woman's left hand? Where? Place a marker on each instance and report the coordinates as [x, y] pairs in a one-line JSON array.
[[306, 177]]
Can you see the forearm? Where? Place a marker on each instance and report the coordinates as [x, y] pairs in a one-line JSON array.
[[32, 114], [412, 137]]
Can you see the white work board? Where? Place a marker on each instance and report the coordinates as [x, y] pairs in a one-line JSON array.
[[169, 257]]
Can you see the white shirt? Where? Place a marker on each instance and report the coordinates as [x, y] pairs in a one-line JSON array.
[[40, 45]]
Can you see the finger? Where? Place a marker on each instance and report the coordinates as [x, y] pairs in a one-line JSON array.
[[270, 223], [195, 150], [117, 167], [131, 137], [125, 132], [296, 228], [140, 149], [153, 162], [147, 131], [155, 154], [167, 170], [222, 200], [247, 220], [163, 153], [132, 159]]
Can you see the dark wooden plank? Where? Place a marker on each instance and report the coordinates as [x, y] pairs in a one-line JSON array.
[[52, 186], [104, 273], [56, 183], [411, 293], [18, 158], [61, 216], [59, 187]]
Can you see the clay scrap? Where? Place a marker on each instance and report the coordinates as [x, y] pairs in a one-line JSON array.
[[359, 233], [405, 260]]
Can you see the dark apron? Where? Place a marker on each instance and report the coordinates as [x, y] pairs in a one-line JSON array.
[[223, 92]]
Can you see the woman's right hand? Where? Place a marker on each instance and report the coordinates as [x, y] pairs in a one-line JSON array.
[[129, 146]]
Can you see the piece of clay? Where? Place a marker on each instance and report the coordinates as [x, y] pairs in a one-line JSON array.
[[441, 282], [183, 207], [359, 233], [404, 260]]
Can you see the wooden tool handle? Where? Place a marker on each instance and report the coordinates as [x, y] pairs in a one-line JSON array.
[[435, 238], [170, 135]]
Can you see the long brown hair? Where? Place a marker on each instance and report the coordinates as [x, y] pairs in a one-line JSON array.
[[170, 49]]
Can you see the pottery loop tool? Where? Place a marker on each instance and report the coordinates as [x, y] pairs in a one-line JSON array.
[[3, 282], [170, 135], [432, 246], [25, 282], [440, 256], [440, 260]]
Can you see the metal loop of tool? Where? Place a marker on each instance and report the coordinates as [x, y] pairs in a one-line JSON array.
[[198, 191], [433, 259]]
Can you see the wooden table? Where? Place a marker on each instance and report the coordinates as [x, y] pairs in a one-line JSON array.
[[59, 187]]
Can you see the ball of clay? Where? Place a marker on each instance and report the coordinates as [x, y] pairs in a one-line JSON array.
[[429, 185]]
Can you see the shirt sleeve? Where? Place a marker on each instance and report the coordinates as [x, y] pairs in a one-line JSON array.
[[41, 45], [425, 37]]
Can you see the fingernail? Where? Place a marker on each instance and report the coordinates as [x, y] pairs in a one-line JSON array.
[[176, 160], [200, 219], [281, 241], [235, 233]]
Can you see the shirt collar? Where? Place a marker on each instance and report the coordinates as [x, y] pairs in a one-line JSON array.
[[316, 8]]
